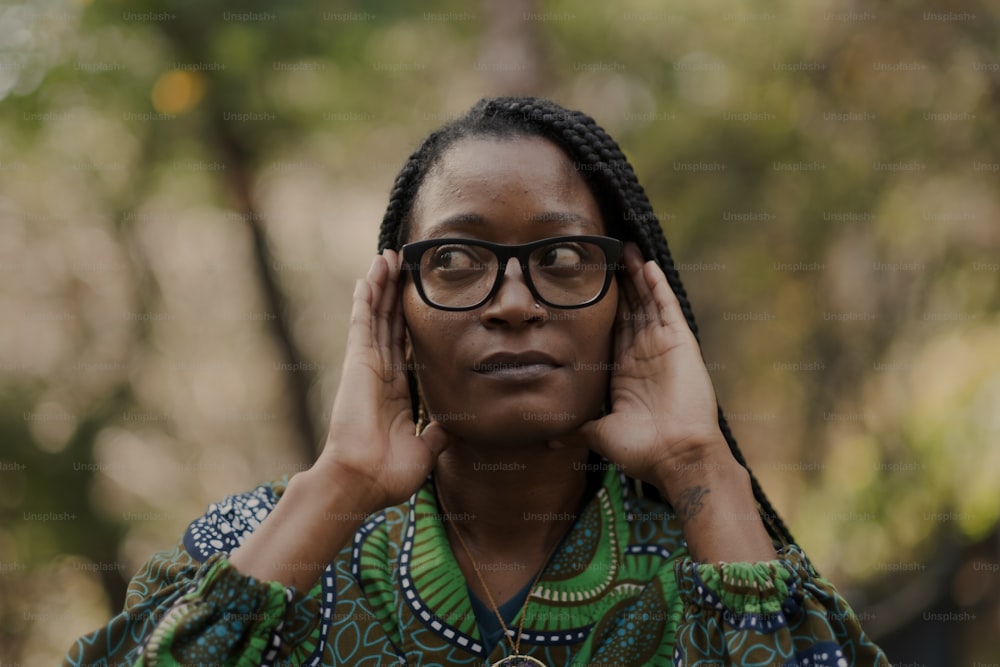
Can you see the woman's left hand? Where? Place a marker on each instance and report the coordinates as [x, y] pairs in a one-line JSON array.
[[663, 427], [664, 415]]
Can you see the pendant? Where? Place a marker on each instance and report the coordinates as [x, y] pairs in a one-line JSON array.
[[518, 660]]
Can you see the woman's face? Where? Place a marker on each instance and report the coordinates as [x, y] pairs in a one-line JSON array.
[[509, 191]]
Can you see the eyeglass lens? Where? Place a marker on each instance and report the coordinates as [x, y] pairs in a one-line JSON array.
[[564, 273]]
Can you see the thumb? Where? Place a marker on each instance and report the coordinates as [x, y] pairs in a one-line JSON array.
[[587, 436], [436, 438]]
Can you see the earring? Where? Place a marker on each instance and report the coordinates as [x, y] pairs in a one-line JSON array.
[[421, 419]]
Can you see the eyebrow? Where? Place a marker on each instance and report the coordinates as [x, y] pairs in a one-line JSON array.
[[560, 218]]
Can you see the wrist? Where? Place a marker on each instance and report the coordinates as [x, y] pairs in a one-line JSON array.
[[294, 544], [339, 495], [713, 498], [704, 461]]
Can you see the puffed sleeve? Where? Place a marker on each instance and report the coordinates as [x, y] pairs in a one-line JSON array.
[[778, 612], [190, 606]]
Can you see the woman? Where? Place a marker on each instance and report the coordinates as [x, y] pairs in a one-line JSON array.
[[571, 494]]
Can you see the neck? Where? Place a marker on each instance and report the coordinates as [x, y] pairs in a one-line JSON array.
[[519, 500]]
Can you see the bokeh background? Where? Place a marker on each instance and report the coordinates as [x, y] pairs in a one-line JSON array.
[[189, 188]]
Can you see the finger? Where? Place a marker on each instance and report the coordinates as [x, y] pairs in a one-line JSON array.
[[658, 301], [666, 304], [398, 332], [634, 283], [646, 308], [624, 324], [383, 308], [436, 438], [375, 280], [359, 332], [387, 309], [586, 436], [630, 315]]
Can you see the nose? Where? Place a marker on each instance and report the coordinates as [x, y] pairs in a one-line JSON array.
[[513, 304]]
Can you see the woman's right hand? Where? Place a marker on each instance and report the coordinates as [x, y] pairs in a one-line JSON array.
[[372, 445], [373, 458]]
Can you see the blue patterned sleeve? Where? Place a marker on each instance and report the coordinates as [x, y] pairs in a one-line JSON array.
[[189, 606], [777, 613]]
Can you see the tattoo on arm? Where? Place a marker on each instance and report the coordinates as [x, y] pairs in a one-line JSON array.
[[691, 502]]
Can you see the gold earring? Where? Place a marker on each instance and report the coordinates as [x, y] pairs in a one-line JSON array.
[[421, 418]]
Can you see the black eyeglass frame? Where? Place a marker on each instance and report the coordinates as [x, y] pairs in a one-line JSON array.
[[413, 252]]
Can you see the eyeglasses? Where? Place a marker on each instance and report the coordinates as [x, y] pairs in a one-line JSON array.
[[561, 272]]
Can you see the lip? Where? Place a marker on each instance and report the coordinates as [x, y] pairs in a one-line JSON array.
[[516, 366]]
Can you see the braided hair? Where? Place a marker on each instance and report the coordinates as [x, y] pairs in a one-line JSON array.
[[627, 212]]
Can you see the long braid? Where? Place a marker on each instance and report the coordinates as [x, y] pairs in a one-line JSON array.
[[628, 212]]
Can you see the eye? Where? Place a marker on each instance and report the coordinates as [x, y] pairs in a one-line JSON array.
[[562, 256], [454, 258]]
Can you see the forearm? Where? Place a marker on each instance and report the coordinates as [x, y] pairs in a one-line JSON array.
[[711, 493], [296, 542]]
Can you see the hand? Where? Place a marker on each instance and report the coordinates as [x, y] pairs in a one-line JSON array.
[[664, 414], [373, 457], [663, 426], [372, 444]]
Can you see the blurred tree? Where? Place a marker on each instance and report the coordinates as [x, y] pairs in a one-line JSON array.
[[188, 189]]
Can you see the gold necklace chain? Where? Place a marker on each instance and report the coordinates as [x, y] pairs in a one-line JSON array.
[[514, 645]]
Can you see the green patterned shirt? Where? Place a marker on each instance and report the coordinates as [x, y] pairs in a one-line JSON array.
[[620, 590]]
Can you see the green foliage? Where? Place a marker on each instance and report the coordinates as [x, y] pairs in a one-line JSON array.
[[827, 177]]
